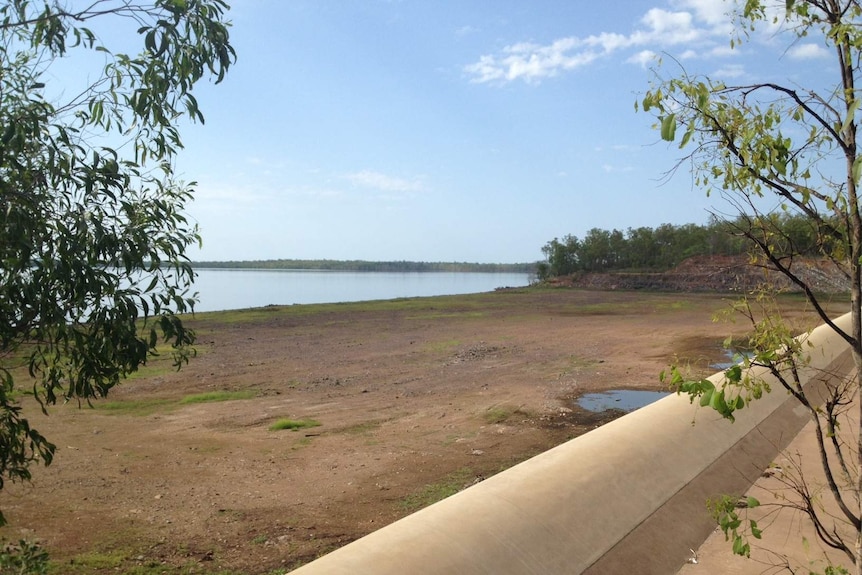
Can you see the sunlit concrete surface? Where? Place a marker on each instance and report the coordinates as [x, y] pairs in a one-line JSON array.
[[628, 497], [788, 536]]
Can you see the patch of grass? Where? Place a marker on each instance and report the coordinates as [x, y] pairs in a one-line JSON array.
[[502, 413], [95, 560], [124, 551], [213, 396], [434, 492], [293, 424], [465, 305], [498, 414], [144, 407]]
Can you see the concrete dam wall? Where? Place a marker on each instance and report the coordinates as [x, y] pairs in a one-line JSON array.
[[628, 497]]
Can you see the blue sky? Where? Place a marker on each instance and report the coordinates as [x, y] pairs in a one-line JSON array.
[[473, 130]]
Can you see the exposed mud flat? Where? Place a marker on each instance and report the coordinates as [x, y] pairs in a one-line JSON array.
[[414, 398]]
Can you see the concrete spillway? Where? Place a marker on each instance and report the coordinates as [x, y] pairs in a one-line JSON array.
[[628, 497]]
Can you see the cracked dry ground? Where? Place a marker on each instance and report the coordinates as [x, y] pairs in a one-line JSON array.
[[415, 398]]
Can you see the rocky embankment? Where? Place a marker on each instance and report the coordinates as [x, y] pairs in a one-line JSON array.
[[716, 274]]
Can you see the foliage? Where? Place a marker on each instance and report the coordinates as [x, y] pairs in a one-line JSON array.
[[661, 248], [93, 271], [23, 558], [795, 146], [641, 248], [724, 510]]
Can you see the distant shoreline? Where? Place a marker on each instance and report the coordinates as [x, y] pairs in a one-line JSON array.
[[367, 266]]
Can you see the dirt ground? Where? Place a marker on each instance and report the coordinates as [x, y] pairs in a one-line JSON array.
[[415, 398]]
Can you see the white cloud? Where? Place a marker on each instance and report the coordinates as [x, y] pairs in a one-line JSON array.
[[730, 71], [688, 55], [714, 13], [608, 41], [667, 28], [530, 62], [533, 62], [383, 182], [643, 58], [808, 52]]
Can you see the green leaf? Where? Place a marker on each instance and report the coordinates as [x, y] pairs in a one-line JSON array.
[[686, 137], [851, 113], [734, 374], [716, 401], [857, 168], [668, 127], [755, 532], [741, 547], [706, 398]]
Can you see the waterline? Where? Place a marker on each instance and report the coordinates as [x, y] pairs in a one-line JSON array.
[[222, 289]]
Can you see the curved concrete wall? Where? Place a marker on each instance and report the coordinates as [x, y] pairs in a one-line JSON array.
[[627, 497]]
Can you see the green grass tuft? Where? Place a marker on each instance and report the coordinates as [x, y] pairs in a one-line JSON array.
[[213, 396], [498, 414], [293, 424], [502, 413]]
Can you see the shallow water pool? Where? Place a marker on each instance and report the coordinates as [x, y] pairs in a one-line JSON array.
[[621, 399]]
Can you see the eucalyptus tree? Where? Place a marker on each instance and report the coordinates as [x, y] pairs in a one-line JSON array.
[[794, 148], [93, 234]]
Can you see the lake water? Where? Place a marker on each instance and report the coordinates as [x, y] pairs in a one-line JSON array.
[[222, 289]]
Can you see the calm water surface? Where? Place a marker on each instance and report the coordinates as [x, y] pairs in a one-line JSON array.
[[222, 289], [622, 399]]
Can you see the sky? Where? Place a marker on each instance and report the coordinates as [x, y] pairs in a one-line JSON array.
[[469, 130]]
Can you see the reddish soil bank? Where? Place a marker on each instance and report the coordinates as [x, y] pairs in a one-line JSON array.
[[730, 274], [415, 398]]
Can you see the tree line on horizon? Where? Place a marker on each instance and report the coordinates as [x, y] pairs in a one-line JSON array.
[[662, 248], [368, 266]]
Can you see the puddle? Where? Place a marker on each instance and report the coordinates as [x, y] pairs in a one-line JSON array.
[[732, 357], [621, 399]]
